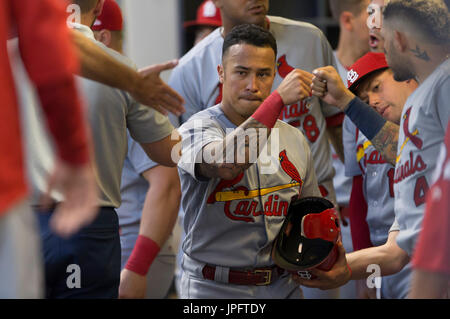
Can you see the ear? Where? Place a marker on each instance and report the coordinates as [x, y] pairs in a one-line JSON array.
[[346, 20], [400, 41], [99, 7], [104, 36], [221, 72]]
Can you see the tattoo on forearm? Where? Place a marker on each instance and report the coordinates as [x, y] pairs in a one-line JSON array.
[[386, 141], [420, 54], [239, 150]]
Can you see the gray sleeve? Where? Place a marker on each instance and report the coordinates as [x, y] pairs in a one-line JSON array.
[[349, 140], [196, 134], [138, 158], [145, 124], [187, 86]]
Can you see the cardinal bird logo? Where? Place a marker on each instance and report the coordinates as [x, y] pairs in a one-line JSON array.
[[283, 67], [223, 184], [289, 168], [412, 136]]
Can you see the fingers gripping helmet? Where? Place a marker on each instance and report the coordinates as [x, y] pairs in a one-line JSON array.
[[308, 236]]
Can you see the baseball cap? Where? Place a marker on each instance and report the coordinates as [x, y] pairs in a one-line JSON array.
[[110, 19], [369, 63], [207, 14]]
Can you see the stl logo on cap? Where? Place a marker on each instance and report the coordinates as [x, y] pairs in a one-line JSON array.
[[352, 76], [209, 10]]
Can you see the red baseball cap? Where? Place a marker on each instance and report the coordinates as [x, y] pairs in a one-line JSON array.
[[110, 19], [207, 14], [369, 63]]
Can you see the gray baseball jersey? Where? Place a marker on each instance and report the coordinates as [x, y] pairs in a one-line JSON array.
[[300, 45], [422, 130], [233, 223]]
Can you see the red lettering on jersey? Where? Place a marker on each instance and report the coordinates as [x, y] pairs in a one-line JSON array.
[[390, 175], [294, 111], [247, 208], [410, 167], [420, 191]]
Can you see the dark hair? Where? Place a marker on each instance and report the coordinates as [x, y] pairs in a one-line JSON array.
[[249, 34], [354, 6], [85, 5], [429, 17]]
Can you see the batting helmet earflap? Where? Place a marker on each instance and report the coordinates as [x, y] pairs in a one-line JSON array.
[[308, 236]]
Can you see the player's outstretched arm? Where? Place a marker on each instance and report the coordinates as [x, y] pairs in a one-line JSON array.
[[328, 85], [246, 142], [145, 86], [159, 215]]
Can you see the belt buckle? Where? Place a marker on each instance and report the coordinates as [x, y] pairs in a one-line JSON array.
[[268, 276]]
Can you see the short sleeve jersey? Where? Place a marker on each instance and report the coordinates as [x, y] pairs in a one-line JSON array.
[[422, 130], [233, 223]]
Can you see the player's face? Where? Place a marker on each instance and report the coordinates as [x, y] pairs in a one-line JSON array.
[[384, 94], [237, 12], [247, 76], [376, 41], [399, 63]]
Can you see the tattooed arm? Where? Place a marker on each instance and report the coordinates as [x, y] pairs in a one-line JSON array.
[[228, 158], [386, 142]]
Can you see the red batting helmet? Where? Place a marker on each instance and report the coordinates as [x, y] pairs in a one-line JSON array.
[[207, 14], [308, 236]]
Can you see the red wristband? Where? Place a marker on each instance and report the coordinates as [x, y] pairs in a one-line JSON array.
[[350, 270], [144, 252], [269, 111]]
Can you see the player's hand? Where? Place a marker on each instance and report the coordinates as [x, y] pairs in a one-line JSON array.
[[151, 90], [80, 206], [295, 87], [338, 275], [327, 85], [132, 285]]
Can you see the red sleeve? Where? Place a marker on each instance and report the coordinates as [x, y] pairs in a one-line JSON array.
[[335, 120], [432, 251], [357, 214], [50, 60]]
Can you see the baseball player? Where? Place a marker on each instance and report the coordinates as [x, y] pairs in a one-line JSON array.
[[376, 86], [375, 9], [423, 55], [50, 66], [300, 45], [150, 195], [207, 20], [145, 85], [96, 248], [234, 194], [431, 261]]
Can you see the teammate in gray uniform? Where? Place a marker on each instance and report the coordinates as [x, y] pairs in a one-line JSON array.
[[150, 194], [235, 202], [417, 46], [300, 45], [96, 249], [376, 86]]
